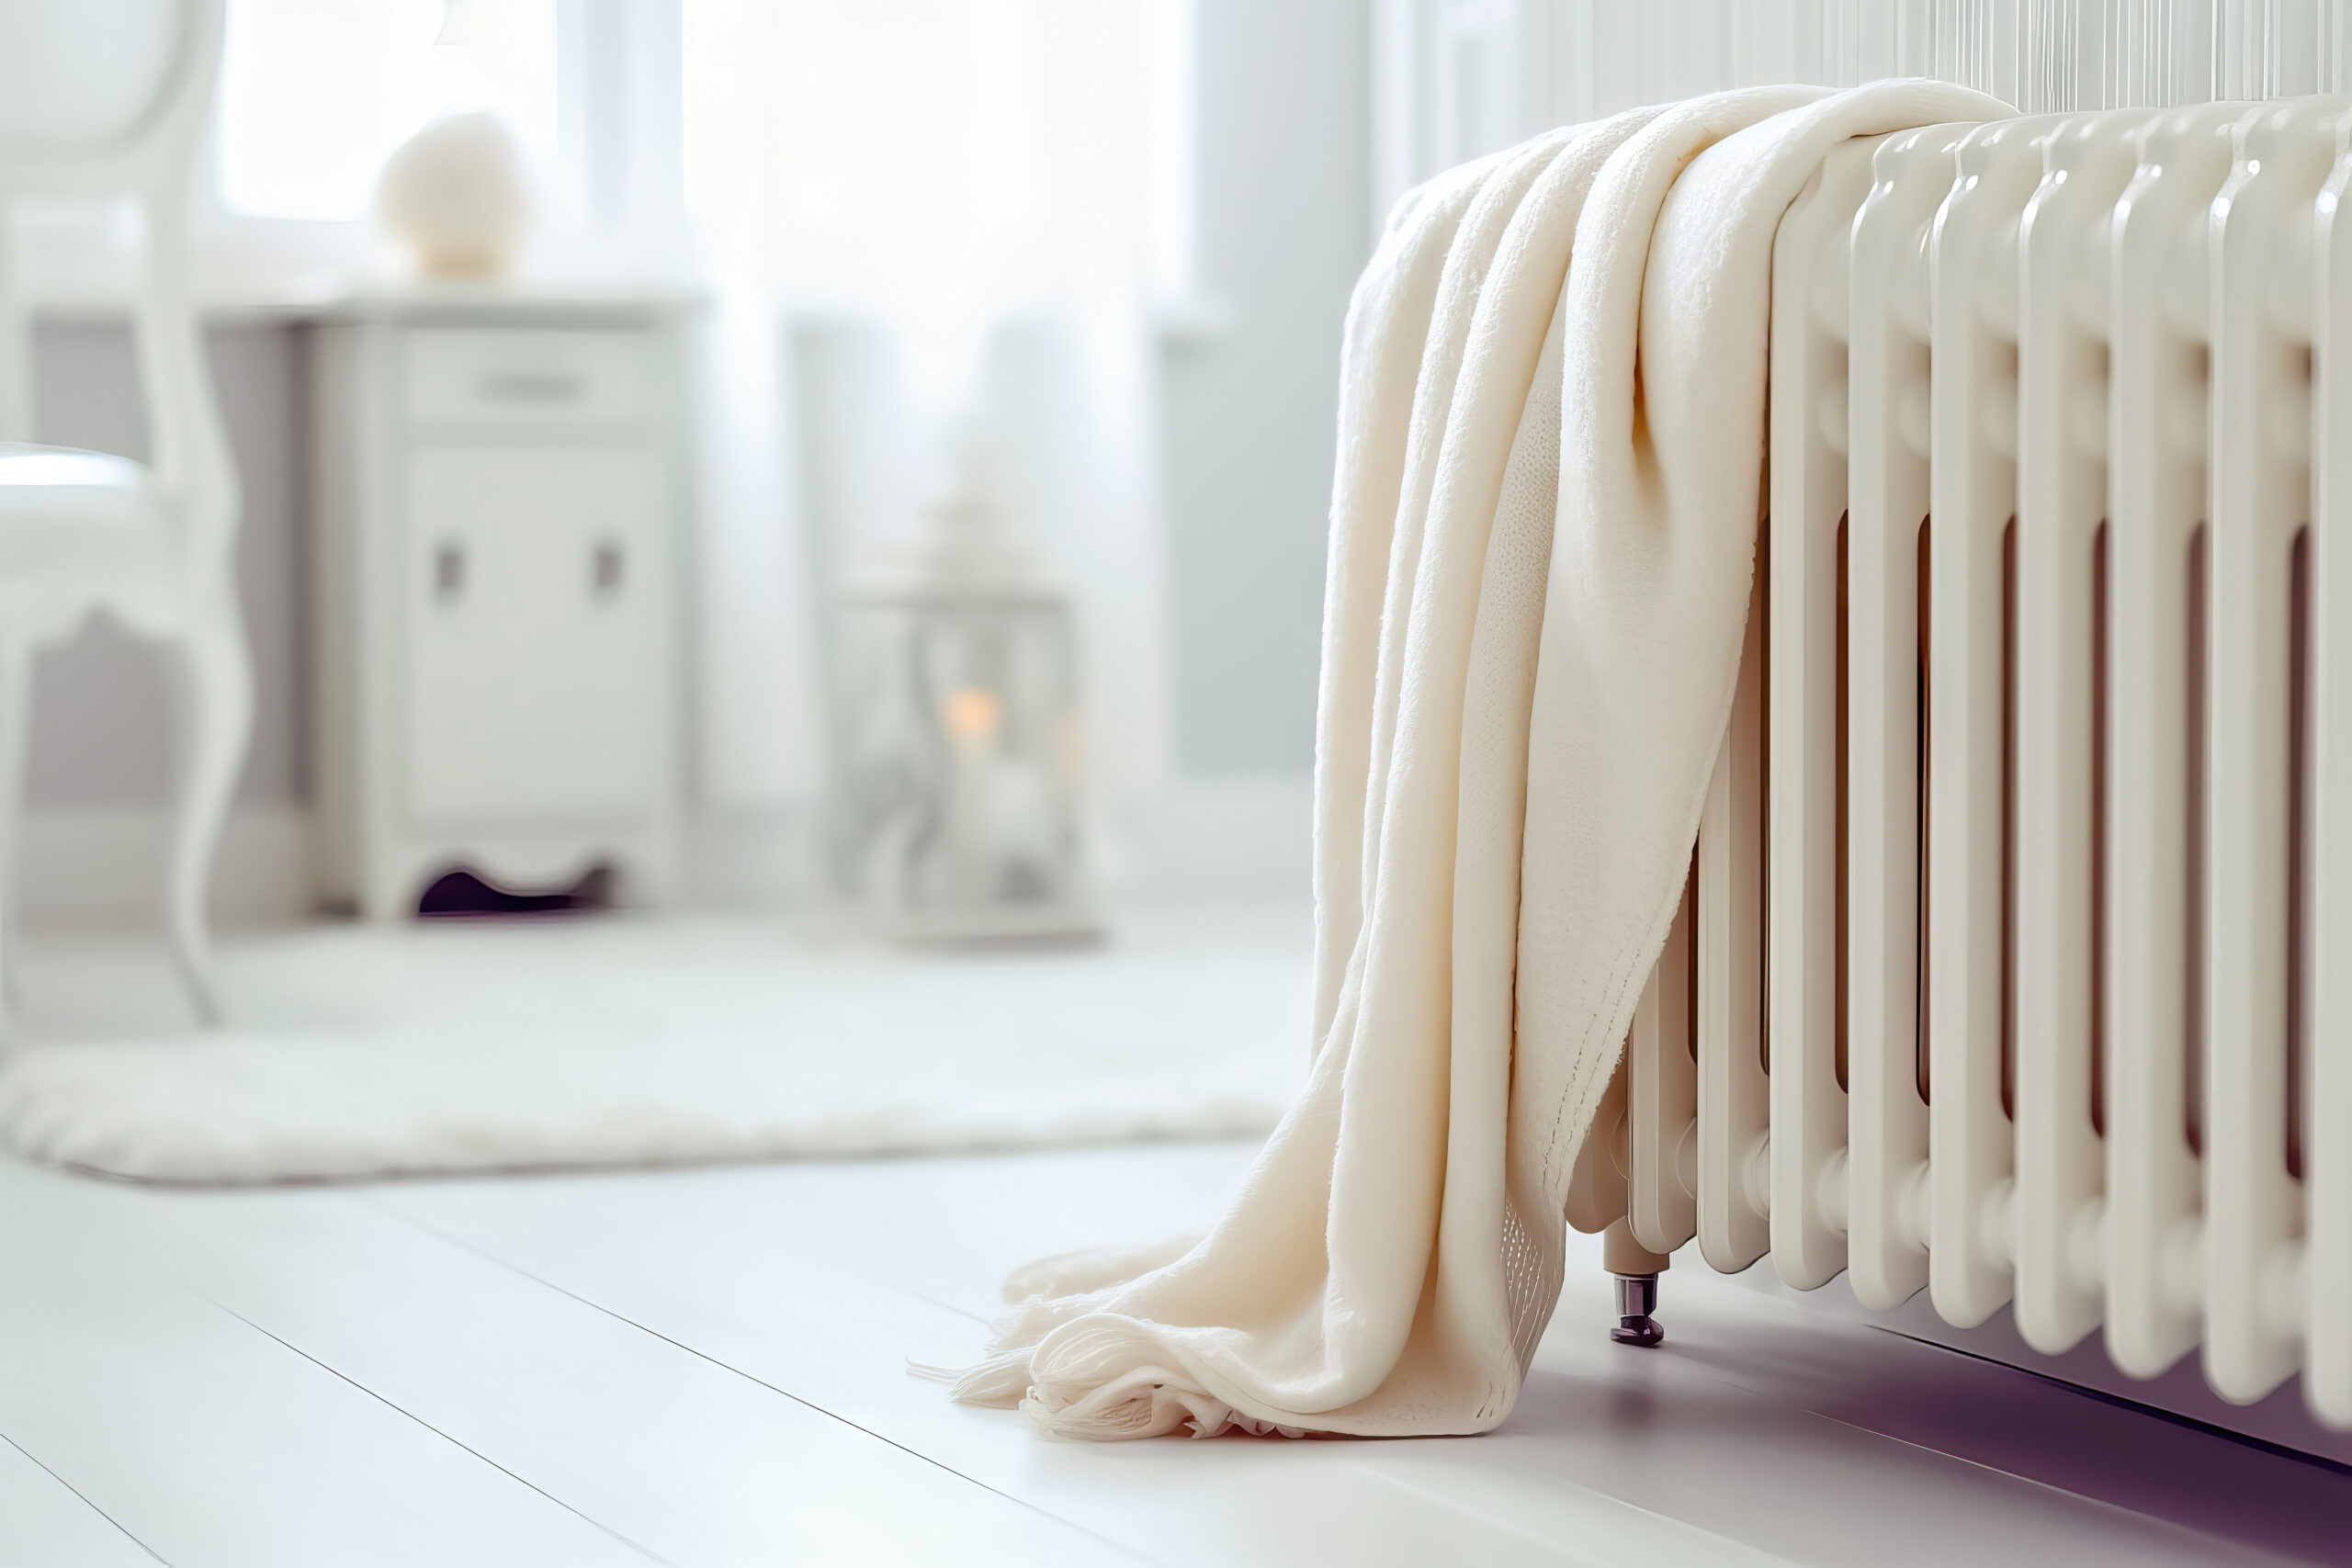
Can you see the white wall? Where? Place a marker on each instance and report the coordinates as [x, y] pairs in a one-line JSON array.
[[1282, 187]]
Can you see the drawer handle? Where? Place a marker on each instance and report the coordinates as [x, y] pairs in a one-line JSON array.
[[448, 572], [608, 571], [538, 388]]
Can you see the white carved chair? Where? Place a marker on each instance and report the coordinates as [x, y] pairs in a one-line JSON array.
[[107, 101]]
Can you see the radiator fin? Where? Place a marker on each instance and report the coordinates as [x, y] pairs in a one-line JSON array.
[[2015, 960]]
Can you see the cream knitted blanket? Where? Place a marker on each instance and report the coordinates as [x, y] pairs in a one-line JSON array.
[[1551, 453]]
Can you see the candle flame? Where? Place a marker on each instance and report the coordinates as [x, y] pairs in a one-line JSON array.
[[971, 713]]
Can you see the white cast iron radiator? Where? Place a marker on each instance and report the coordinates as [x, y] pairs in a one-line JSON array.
[[2016, 962]]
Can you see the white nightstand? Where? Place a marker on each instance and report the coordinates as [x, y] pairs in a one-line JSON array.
[[499, 494]]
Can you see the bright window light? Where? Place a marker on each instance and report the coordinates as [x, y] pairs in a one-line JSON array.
[[316, 94], [943, 160]]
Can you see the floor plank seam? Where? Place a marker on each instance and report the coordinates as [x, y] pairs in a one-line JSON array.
[[109, 1518], [943, 1306], [638, 1548], [1667, 1523], [464, 1246]]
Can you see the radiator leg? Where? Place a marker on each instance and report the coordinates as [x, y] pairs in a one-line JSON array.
[[1636, 1269], [1636, 1299]]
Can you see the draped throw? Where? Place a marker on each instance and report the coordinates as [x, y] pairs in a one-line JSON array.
[[1542, 538]]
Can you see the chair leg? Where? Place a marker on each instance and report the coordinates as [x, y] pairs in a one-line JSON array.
[[16, 714], [214, 690]]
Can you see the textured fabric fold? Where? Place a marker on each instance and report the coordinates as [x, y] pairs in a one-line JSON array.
[[1542, 536], [1380, 360]]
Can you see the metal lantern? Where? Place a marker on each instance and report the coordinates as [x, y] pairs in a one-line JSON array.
[[957, 738]]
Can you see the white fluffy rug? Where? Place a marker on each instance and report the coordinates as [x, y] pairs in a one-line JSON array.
[[360, 1052]]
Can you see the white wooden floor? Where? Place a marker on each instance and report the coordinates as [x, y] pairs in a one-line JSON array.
[[706, 1367]]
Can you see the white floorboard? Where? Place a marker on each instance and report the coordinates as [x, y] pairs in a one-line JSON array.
[[773, 1283], [1604, 1434], [211, 1443], [708, 1366], [43, 1520], [691, 1460]]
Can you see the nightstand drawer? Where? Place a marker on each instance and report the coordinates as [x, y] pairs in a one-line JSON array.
[[536, 375]]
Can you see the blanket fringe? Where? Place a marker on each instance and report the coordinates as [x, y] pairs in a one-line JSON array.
[[1001, 1381], [1145, 1403]]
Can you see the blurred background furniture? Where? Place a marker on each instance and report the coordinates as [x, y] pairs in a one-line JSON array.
[[498, 498], [959, 736], [107, 103]]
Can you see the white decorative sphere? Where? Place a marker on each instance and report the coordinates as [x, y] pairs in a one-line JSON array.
[[457, 195]]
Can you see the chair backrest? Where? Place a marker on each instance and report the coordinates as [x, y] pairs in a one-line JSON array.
[[109, 101], [101, 95]]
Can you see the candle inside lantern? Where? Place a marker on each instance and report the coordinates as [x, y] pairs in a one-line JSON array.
[[972, 713], [959, 809]]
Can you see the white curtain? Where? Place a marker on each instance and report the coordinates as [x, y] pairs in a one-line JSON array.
[[997, 188]]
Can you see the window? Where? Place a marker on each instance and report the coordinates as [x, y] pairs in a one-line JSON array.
[[943, 161], [316, 94]]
